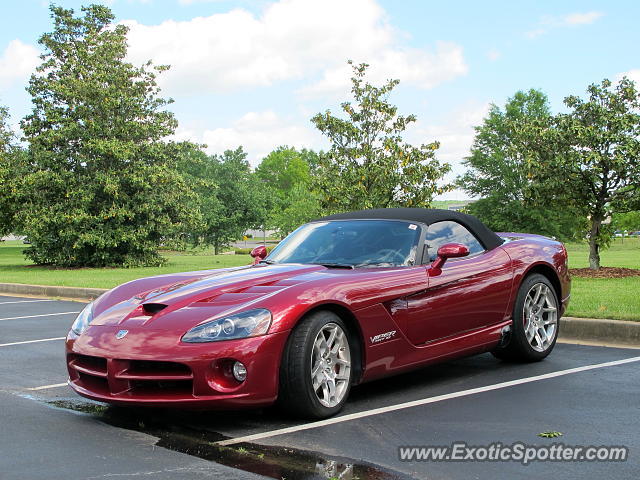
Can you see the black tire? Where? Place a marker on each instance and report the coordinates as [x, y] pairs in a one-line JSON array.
[[296, 395], [517, 348]]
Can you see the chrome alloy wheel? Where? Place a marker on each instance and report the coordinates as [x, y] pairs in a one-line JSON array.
[[540, 314], [330, 365]]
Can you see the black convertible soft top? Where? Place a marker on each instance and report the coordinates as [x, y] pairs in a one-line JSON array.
[[426, 216]]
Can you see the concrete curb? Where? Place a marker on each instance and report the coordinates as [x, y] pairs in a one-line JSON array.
[[588, 330], [572, 330], [49, 291]]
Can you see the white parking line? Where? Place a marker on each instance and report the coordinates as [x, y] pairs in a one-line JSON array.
[[31, 341], [46, 387], [26, 301], [424, 401], [34, 316]]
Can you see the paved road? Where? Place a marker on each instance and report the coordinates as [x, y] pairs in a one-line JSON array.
[[42, 442], [595, 406]]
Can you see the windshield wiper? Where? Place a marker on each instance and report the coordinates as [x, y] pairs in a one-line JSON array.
[[335, 265], [268, 262], [376, 264]]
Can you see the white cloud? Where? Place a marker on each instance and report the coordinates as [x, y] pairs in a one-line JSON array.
[[455, 134], [581, 18], [258, 133], [17, 63], [493, 54], [412, 66], [191, 2], [289, 40], [535, 33], [570, 20], [631, 75]]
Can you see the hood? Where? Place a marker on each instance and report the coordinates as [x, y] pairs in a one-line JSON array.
[[193, 300]]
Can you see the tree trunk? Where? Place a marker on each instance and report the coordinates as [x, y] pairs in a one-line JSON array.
[[594, 242]]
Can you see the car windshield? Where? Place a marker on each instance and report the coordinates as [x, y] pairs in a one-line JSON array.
[[350, 243]]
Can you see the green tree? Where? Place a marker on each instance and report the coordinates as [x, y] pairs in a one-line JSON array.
[[629, 221], [302, 205], [311, 158], [286, 182], [199, 171], [369, 164], [229, 196], [12, 169], [498, 172], [104, 190], [7, 137], [283, 168], [589, 158]]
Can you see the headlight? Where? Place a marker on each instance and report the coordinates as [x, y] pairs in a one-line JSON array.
[[251, 323], [83, 320]]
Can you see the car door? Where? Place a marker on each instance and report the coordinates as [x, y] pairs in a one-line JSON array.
[[468, 293]]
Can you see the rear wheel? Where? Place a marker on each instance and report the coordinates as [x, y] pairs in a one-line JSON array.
[[535, 322], [316, 372]]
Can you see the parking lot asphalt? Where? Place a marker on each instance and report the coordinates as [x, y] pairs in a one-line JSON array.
[[587, 393]]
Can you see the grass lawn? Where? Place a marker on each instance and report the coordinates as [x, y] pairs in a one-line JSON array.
[[622, 253], [617, 298], [14, 268]]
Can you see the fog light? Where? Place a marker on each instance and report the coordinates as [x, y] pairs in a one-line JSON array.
[[239, 371]]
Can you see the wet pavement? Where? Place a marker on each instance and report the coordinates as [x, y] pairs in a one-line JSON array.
[[52, 433]]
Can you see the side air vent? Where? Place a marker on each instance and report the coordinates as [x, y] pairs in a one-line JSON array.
[[153, 308]]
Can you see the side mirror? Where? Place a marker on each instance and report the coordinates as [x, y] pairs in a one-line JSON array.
[[259, 253], [448, 250]]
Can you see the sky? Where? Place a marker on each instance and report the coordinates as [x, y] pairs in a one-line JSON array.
[[254, 72]]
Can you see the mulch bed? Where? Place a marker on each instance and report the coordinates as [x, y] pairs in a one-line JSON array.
[[605, 272]]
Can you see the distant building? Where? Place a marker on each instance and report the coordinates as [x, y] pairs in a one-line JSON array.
[[13, 237], [260, 233], [456, 207]]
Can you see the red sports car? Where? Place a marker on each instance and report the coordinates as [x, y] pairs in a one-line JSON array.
[[342, 300]]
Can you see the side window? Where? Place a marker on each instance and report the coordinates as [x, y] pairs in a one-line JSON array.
[[450, 232]]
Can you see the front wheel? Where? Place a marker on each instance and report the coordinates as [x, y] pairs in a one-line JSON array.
[[316, 372], [535, 322]]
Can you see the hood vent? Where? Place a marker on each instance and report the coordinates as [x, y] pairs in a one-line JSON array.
[[153, 308]]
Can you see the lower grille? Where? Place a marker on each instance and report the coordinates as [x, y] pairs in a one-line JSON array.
[[147, 387], [152, 370], [133, 378], [94, 366], [95, 384]]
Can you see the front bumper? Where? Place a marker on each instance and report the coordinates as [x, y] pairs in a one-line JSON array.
[[153, 368]]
